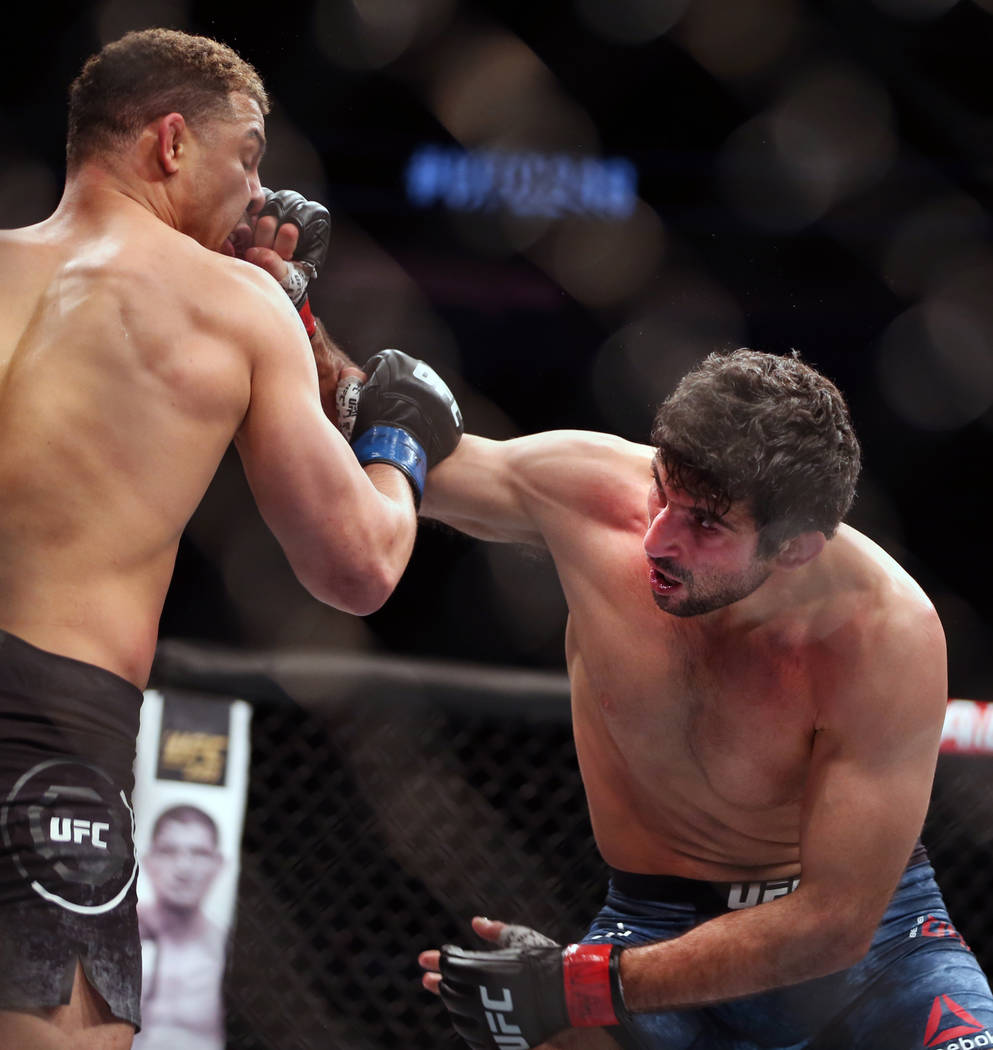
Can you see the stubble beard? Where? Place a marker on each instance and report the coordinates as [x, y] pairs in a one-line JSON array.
[[698, 598]]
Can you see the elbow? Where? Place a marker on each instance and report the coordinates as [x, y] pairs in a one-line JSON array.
[[829, 943], [847, 947], [855, 947], [356, 568], [371, 594], [843, 956], [358, 590]]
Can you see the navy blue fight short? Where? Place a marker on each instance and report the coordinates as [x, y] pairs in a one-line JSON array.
[[67, 860], [918, 988]]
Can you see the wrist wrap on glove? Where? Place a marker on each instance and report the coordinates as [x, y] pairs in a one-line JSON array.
[[406, 417], [516, 998], [313, 221]]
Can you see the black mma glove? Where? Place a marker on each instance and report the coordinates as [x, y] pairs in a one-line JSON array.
[[516, 998], [313, 221], [406, 417]]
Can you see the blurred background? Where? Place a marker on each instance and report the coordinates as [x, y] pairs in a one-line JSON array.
[[562, 205]]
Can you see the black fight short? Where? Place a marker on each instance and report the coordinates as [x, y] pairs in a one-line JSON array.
[[67, 859]]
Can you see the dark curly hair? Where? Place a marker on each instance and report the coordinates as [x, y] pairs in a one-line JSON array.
[[765, 430], [145, 75]]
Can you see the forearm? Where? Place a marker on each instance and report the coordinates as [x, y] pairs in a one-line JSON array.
[[543, 988], [473, 491], [355, 562], [740, 954], [330, 360], [398, 516]]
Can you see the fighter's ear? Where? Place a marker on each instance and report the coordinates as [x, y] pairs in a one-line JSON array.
[[170, 140], [800, 549]]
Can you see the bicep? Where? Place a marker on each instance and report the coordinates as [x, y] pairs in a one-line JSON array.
[[868, 790], [309, 488], [294, 458], [480, 489], [543, 489]]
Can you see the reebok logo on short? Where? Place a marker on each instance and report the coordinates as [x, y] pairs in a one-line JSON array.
[[947, 1020], [929, 926]]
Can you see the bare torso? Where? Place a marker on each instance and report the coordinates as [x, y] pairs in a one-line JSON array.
[[121, 384], [695, 734], [693, 756]]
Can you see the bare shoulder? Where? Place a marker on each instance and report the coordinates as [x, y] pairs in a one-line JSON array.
[[592, 447], [24, 253], [150, 272], [884, 634], [527, 489], [583, 466], [894, 601], [237, 295]]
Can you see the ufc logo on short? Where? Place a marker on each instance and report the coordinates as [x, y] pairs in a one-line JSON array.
[[506, 1036], [74, 829]]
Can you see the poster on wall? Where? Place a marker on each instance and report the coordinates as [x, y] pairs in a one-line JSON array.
[[191, 785]]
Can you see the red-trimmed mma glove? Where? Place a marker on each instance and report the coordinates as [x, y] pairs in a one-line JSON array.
[[406, 417], [313, 221], [516, 998]]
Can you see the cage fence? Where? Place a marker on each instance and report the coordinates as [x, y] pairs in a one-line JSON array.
[[391, 801]]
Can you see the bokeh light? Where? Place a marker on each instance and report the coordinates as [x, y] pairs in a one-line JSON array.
[[631, 21], [740, 40], [829, 135], [603, 263], [370, 34], [114, 18], [935, 365], [930, 240]]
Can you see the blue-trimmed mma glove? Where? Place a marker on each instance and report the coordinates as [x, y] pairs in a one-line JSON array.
[[313, 221], [516, 998], [406, 417]]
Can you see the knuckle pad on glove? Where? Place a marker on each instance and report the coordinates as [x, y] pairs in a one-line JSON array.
[[514, 936], [311, 218], [406, 393]]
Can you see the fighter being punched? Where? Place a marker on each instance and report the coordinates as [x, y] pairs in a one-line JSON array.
[[376, 407], [133, 350]]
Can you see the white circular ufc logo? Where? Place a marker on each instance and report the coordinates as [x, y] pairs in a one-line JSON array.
[[70, 832]]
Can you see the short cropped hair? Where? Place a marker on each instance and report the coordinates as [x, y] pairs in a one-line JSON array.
[[186, 814], [145, 75], [767, 431]]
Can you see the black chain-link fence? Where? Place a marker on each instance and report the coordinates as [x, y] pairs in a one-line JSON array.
[[959, 836], [390, 802]]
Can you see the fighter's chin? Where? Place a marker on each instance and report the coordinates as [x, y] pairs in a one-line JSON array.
[[674, 608], [237, 241]]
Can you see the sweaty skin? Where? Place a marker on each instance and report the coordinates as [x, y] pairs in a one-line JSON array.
[[794, 728], [133, 349]]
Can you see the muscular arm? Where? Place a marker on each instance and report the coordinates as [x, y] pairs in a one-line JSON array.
[[347, 532], [529, 489], [872, 762], [331, 361], [477, 490], [872, 766]]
